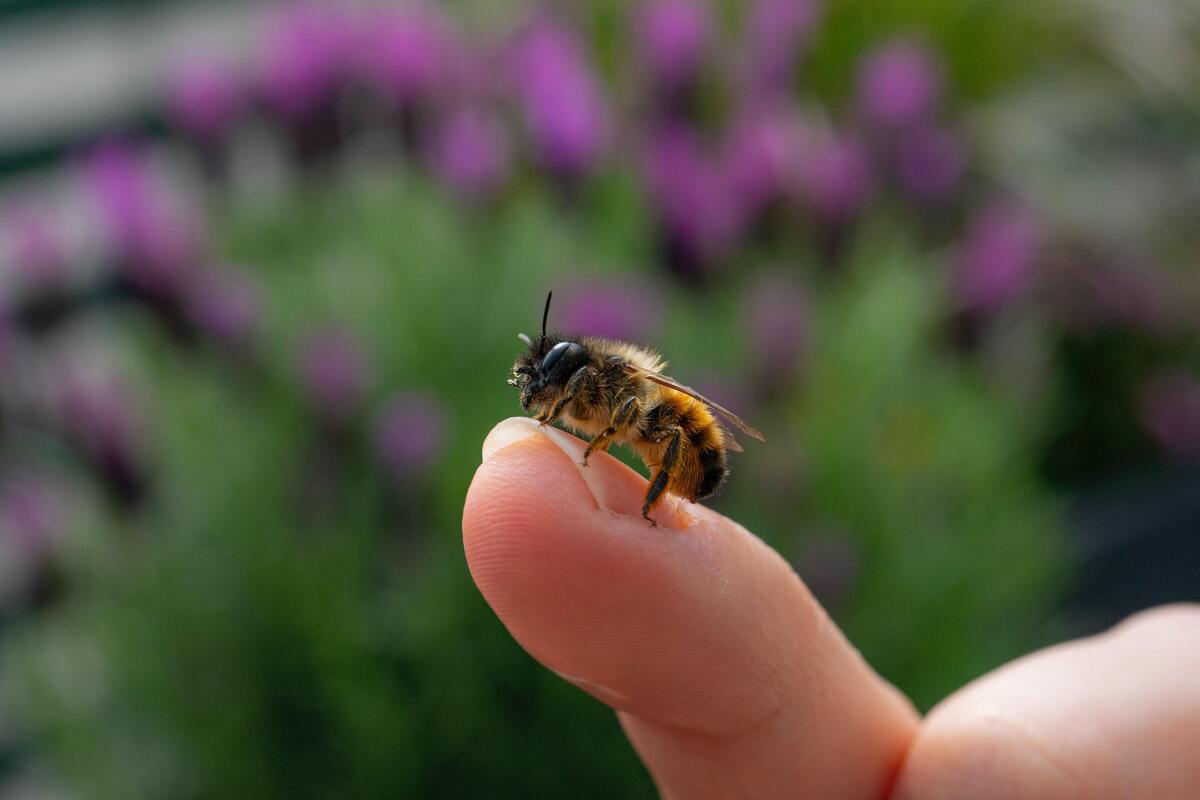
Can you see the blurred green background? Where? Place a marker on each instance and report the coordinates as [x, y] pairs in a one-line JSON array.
[[261, 271]]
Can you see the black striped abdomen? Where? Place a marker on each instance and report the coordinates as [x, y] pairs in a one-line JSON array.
[[715, 469]]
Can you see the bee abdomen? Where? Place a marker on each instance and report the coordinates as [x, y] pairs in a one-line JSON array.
[[714, 471]]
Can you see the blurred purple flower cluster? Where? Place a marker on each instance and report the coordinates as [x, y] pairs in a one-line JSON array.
[[306, 53], [778, 161], [204, 97], [409, 54], [997, 258], [148, 248], [405, 433], [733, 157], [156, 244], [900, 85], [627, 311], [837, 180], [673, 39], [900, 99], [224, 307], [448, 95], [777, 32], [711, 181], [564, 110], [777, 319], [101, 417], [1170, 409], [335, 373], [35, 248], [118, 233], [693, 196], [470, 152], [409, 435], [32, 525]]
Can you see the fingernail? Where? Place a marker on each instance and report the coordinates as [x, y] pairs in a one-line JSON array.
[[508, 432], [610, 494], [516, 429]]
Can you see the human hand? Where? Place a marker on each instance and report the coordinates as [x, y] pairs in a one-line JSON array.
[[730, 680]]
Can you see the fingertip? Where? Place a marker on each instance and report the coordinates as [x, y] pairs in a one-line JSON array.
[[1049, 724], [1170, 623], [704, 636], [987, 756], [588, 588], [610, 484], [564, 575]]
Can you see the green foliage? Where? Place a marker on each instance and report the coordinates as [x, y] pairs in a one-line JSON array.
[[930, 468], [279, 624], [243, 642], [987, 44]]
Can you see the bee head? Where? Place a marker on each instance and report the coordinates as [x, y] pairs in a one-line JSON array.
[[542, 371]]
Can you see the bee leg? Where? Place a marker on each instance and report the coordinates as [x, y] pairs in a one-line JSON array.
[[567, 396], [625, 416], [599, 442], [659, 484]]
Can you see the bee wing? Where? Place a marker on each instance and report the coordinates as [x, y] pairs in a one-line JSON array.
[[663, 380], [730, 442]]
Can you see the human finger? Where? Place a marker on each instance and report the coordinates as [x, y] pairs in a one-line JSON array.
[[729, 677], [1115, 715]]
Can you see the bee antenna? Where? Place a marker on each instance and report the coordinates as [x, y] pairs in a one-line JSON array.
[[545, 316]]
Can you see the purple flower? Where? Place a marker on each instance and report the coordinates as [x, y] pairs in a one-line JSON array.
[[410, 434], [776, 315], [836, 180], [100, 415], [155, 240], [410, 53], [204, 96], [119, 182], [30, 518], [97, 411], [777, 31], [166, 252], [1170, 411], [764, 154], [929, 163], [470, 152], [224, 307], [899, 83], [32, 524], [693, 197], [35, 249], [305, 55], [997, 257], [336, 373], [563, 106], [625, 311], [8, 343], [673, 38]]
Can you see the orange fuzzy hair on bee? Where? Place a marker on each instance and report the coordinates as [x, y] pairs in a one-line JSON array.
[[612, 391]]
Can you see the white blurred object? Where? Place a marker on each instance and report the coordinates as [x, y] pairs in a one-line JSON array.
[[1104, 148], [64, 73]]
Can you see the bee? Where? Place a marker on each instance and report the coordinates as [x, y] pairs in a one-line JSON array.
[[614, 392]]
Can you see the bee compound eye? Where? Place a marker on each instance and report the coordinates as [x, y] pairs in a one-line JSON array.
[[554, 355]]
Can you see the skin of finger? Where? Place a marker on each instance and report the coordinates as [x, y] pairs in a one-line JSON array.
[[701, 634], [1115, 715]]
